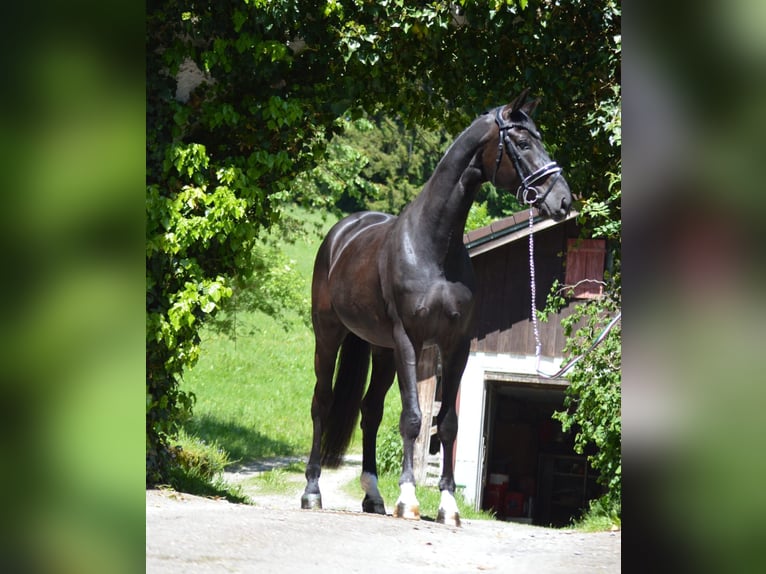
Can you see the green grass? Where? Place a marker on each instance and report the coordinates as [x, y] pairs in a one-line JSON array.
[[254, 393], [287, 480], [602, 514]]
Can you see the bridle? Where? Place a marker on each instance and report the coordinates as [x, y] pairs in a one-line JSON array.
[[527, 192]]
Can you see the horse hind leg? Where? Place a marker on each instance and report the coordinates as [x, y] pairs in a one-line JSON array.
[[383, 372], [324, 367], [320, 407]]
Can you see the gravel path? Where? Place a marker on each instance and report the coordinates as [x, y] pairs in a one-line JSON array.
[[187, 533], [331, 483]]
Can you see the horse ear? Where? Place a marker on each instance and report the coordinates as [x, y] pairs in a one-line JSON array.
[[519, 102], [530, 106]]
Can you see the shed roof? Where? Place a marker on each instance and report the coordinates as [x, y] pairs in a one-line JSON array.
[[507, 230]]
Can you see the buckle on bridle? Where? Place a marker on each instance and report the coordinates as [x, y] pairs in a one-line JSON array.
[[528, 193]]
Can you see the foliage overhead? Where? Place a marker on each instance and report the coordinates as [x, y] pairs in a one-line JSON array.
[[278, 79]]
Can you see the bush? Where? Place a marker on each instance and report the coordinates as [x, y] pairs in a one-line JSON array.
[[593, 398], [603, 514], [199, 467], [390, 452]]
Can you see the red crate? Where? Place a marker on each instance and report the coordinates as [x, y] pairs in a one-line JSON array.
[[513, 504], [494, 498]]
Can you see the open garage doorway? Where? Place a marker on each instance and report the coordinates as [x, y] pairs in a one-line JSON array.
[[530, 471]]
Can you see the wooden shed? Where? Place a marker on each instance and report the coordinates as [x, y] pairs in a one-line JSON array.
[[510, 455]]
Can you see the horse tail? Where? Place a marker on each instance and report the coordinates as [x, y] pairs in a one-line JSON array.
[[346, 399]]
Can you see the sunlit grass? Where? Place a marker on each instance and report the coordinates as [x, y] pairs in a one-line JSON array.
[[280, 481], [254, 392], [602, 514], [200, 470]]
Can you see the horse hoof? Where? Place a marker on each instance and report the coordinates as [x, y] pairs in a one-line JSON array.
[[407, 512], [373, 506], [407, 506], [311, 501], [448, 518]]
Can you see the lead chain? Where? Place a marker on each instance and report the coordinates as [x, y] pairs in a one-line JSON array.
[[533, 288]]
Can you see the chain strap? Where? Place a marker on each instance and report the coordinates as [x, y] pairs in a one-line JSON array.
[[533, 289]]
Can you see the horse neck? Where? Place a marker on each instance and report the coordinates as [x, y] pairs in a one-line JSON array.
[[440, 211]]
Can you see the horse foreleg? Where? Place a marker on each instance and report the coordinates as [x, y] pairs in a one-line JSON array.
[[447, 423], [407, 506], [448, 510], [383, 372]]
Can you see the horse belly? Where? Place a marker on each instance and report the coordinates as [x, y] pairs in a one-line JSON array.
[[378, 332]]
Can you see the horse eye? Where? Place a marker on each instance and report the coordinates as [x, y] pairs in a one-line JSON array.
[[524, 144]]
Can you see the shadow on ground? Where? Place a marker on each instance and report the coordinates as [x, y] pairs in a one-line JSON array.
[[241, 443]]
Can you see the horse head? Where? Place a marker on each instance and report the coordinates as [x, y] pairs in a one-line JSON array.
[[519, 160]]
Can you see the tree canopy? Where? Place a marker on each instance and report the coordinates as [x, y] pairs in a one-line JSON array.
[[276, 80]]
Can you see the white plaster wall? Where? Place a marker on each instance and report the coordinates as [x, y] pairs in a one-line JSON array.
[[472, 405]]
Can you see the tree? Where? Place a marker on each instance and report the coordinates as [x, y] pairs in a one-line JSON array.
[[272, 80], [376, 163]]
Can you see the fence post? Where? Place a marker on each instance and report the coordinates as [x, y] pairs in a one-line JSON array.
[[426, 372]]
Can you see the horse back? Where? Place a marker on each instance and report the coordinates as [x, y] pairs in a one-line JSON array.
[[354, 234]]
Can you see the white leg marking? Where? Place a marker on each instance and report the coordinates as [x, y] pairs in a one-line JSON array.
[[407, 506], [448, 511]]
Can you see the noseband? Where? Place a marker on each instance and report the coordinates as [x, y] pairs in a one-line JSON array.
[[527, 192]]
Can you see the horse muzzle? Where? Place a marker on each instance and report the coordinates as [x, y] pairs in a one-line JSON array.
[[556, 205]]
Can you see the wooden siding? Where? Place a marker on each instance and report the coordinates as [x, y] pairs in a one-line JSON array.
[[503, 299]]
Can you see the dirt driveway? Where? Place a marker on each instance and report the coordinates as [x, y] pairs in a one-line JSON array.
[[186, 533]]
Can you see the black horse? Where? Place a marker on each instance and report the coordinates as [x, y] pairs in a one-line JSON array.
[[387, 287]]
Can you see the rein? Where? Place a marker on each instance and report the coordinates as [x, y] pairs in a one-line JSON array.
[[526, 192]]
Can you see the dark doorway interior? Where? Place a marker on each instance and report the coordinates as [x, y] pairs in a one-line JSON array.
[[532, 472]]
